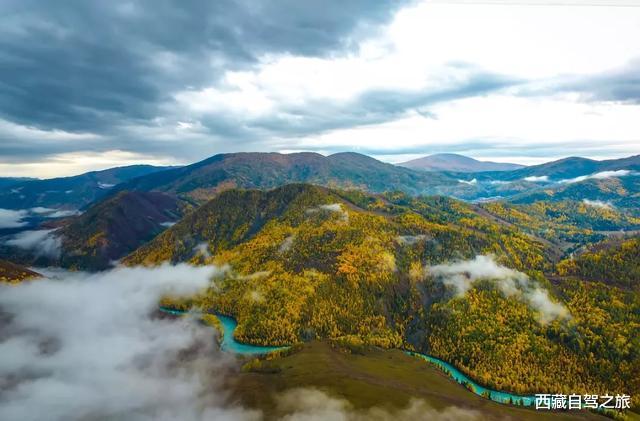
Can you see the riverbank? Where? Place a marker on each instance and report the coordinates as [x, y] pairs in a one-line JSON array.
[[230, 344], [377, 378]]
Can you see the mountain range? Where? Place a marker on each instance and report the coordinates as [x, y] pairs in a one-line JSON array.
[[567, 169], [124, 208], [205, 179], [303, 262], [363, 256], [72, 192], [9, 181], [457, 163], [201, 181]]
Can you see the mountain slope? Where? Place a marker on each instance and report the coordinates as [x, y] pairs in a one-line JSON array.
[[6, 182], [12, 273], [456, 163], [236, 217], [69, 192], [203, 180], [568, 168], [303, 262], [613, 262], [623, 192], [113, 228]]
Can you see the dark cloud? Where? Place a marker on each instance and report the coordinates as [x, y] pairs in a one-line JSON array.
[[73, 65], [92, 76], [112, 69], [89, 65], [619, 85]]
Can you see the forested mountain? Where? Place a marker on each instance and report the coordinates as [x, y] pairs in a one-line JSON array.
[[12, 273], [614, 262], [113, 228], [9, 181], [568, 223], [68, 192], [456, 163], [203, 180], [621, 192], [103, 234], [302, 262], [237, 216], [569, 168]]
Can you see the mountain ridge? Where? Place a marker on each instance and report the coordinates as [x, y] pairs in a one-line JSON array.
[[73, 192], [116, 226], [456, 163], [203, 180], [568, 168], [304, 262]]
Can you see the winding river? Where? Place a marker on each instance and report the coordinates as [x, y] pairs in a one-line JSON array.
[[230, 344], [457, 375]]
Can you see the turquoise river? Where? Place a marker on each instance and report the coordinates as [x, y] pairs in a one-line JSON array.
[[230, 344]]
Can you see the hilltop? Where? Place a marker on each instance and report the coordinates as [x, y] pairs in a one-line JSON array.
[[456, 163], [203, 180]]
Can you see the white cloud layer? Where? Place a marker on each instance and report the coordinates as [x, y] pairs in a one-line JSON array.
[[54, 213], [463, 274], [471, 183], [536, 179], [12, 218], [599, 176], [336, 208], [84, 346], [599, 204], [78, 346], [42, 242]]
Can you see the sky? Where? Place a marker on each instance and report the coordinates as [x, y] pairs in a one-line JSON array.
[[89, 85]]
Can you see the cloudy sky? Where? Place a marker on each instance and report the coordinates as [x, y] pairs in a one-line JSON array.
[[93, 84]]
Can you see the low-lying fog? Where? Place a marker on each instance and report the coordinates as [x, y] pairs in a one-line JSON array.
[[79, 346]]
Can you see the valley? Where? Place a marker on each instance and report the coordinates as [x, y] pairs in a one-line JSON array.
[[510, 297]]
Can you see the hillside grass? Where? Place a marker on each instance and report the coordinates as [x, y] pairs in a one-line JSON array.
[[376, 378]]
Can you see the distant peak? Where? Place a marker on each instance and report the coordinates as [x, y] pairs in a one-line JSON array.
[[457, 163]]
